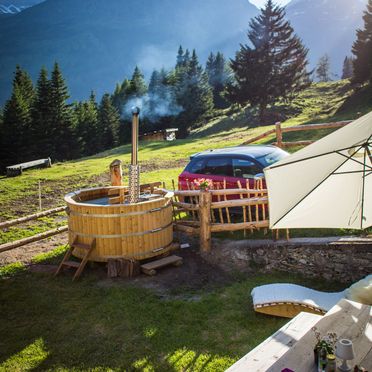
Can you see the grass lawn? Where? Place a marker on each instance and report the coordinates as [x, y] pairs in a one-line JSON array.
[[96, 324]]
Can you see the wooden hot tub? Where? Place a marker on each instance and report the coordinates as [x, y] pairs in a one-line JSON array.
[[139, 231]]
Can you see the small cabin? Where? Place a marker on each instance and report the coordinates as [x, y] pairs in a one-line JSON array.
[[160, 135]]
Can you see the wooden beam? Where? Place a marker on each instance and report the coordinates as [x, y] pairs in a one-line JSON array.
[[279, 134], [263, 135], [297, 128], [187, 229], [205, 201], [31, 217], [239, 226], [31, 239], [239, 202], [187, 206], [236, 191]]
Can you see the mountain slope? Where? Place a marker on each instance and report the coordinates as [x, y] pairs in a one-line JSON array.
[[98, 42], [11, 7], [327, 26]]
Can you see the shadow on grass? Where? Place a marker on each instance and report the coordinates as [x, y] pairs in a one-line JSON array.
[[52, 323]]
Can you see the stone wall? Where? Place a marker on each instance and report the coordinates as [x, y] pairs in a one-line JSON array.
[[327, 258]]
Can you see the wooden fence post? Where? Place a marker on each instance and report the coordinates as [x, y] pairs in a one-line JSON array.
[[205, 201], [279, 134], [116, 173]]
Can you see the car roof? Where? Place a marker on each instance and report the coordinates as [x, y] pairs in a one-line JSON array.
[[254, 151]]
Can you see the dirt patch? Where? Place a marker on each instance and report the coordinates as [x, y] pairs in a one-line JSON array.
[[183, 282], [45, 269], [27, 252], [194, 275]]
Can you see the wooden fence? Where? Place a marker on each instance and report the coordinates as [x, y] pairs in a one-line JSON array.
[[19, 243], [205, 212], [279, 130]]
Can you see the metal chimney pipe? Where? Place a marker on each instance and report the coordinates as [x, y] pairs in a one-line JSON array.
[[135, 126], [134, 169]]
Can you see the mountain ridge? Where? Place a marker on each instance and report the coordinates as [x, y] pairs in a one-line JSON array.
[[99, 42]]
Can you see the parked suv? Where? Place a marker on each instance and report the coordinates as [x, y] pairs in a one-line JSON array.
[[233, 164]]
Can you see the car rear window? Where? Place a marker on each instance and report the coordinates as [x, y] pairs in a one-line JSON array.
[[244, 168], [272, 157], [196, 166], [219, 167]]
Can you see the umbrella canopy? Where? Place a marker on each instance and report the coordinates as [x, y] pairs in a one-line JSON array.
[[326, 184]]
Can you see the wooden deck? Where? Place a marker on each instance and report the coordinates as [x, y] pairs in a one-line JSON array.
[[292, 346]]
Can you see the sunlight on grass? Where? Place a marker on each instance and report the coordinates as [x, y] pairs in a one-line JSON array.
[[143, 365], [27, 359], [189, 360], [150, 332], [51, 256], [96, 325], [12, 269]]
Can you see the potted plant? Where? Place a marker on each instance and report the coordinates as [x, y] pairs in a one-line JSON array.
[[328, 342], [203, 184]]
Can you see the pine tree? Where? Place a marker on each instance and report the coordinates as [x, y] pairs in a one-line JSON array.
[[61, 117], [180, 57], [322, 70], [347, 69], [23, 80], [194, 95], [160, 105], [88, 137], [121, 95], [42, 125], [17, 120], [219, 75], [108, 123], [273, 66], [138, 87], [155, 83], [362, 50]]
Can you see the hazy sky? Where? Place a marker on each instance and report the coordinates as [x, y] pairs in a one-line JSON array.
[[260, 3]]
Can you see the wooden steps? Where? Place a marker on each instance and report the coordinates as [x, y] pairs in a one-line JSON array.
[[151, 267], [79, 266]]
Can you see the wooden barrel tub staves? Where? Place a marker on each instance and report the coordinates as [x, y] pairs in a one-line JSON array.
[[139, 231]]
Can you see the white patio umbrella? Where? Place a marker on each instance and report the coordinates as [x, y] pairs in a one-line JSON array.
[[326, 184]]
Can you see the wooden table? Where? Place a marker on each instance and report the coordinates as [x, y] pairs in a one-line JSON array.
[[292, 346]]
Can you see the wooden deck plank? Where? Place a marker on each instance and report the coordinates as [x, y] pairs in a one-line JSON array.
[[273, 348], [348, 319], [170, 260], [292, 346]]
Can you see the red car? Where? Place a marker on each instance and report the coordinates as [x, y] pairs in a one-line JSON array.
[[233, 164]]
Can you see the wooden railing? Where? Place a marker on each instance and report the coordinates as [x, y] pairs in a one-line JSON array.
[[206, 213], [19, 243], [279, 130]]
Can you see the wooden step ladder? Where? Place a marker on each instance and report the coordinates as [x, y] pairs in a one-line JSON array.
[[79, 266]]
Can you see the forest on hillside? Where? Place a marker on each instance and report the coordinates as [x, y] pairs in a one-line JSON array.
[[40, 121]]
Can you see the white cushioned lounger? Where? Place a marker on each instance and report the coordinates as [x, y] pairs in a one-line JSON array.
[[288, 300]]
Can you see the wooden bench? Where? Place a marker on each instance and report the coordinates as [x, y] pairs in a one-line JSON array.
[[292, 346], [17, 169]]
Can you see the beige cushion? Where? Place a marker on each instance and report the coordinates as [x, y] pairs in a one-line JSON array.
[[361, 291]]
